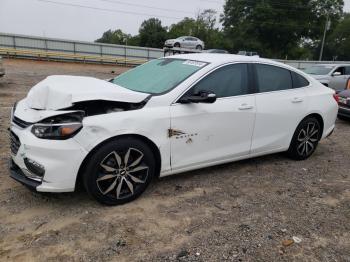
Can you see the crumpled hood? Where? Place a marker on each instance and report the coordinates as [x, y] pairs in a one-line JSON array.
[[62, 91]]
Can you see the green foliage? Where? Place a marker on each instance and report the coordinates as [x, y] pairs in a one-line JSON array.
[[114, 37], [339, 40], [152, 33], [276, 29], [288, 29]]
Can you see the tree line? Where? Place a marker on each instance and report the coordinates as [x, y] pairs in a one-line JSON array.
[[288, 29]]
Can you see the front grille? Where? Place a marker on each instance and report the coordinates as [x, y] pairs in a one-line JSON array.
[[14, 143], [20, 122]]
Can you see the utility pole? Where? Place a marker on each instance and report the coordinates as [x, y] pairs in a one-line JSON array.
[[327, 26]]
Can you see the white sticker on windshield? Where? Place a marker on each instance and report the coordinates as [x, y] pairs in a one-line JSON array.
[[194, 63]]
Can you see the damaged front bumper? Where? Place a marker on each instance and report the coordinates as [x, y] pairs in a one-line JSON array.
[[17, 174], [44, 165]]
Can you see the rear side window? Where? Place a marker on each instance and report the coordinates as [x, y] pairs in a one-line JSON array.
[[272, 78], [299, 81], [230, 80]]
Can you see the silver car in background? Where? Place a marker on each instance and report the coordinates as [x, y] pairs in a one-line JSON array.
[[331, 75], [189, 42], [2, 69]]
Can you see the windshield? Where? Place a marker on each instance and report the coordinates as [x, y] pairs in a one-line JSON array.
[[319, 70], [158, 76]]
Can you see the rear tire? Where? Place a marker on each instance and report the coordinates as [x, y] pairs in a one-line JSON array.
[[199, 47], [120, 171], [305, 139]]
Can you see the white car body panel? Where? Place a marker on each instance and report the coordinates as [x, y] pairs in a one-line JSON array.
[[259, 123], [200, 142], [274, 128]]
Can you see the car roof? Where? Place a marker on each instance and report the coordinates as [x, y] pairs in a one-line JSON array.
[[224, 58]]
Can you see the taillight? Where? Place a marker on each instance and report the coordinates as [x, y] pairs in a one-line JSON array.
[[348, 84], [336, 97]]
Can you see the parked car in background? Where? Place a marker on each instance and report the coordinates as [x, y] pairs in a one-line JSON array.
[[216, 51], [344, 102], [331, 75], [189, 42], [2, 69], [248, 53], [152, 121]]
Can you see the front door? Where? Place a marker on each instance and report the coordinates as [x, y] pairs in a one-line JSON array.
[[339, 78], [202, 134]]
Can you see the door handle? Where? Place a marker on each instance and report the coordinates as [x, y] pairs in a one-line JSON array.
[[297, 100], [245, 107]]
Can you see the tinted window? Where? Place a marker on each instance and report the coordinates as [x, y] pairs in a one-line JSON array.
[[347, 70], [299, 81], [341, 70], [231, 80], [272, 78]]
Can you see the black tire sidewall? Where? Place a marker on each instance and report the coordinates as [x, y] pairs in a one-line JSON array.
[[199, 47], [91, 169], [292, 151]]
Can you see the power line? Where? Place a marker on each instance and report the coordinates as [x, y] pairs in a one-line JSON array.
[[147, 6], [281, 4], [109, 10]]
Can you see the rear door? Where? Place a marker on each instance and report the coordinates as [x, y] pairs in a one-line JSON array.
[[281, 105]]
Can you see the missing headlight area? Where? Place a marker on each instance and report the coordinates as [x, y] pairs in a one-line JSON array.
[[99, 107]]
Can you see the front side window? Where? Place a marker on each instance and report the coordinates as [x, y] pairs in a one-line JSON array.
[[347, 70], [340, 70], [272, 78], [230, 80], [158, 76]]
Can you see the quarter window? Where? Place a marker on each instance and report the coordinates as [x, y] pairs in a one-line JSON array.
[[230, 80], [299, 81], [272, 78]]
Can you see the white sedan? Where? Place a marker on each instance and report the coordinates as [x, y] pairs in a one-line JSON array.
[[165, 117]]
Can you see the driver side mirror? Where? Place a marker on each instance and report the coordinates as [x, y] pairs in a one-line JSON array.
[[336, 73], [200, 97]]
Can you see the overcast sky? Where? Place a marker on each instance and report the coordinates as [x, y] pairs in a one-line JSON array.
[[88, 19]]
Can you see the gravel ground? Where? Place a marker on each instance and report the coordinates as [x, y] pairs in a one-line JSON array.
[[243, 211]]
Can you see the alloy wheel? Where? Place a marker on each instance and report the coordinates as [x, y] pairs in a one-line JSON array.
[[122, 173], [307, 139]]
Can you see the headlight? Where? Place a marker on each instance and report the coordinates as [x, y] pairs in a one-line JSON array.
[[56, 131], [59, 127]]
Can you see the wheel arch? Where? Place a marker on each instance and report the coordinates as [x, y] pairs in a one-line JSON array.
[[315, 115], [148, 141]]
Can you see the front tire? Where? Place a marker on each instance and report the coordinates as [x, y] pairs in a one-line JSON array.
[[305, 139], [120, 171], [177, 45]]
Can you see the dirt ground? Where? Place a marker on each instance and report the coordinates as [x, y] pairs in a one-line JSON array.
[[241, 211]]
